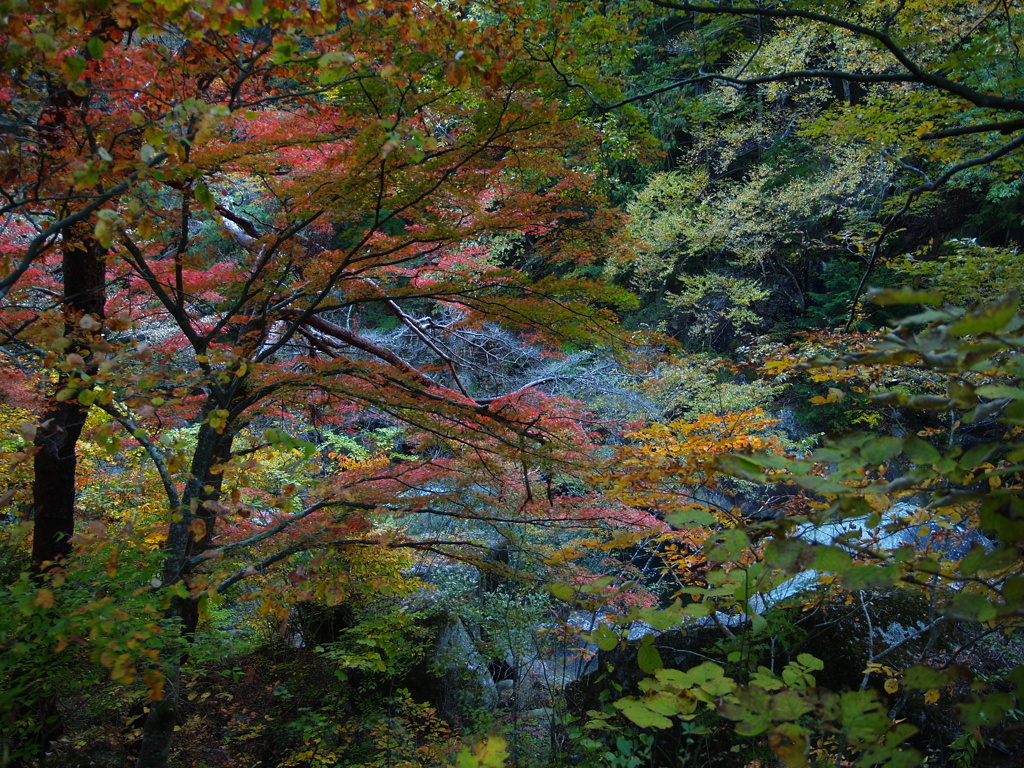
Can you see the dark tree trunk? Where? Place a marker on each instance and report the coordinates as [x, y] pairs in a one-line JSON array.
[[53, 488], [212, 452], [213, 483], [84, 283], [158, 731]]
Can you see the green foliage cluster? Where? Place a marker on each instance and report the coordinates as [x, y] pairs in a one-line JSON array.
[[694, 385], [963, 271], [73, 635]]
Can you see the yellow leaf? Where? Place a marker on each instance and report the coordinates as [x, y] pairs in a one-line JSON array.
[[122, 670], [155, 684], [931, 696], [44, 598], [891, 686]]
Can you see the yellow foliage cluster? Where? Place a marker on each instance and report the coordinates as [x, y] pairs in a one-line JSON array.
[[671, 468]]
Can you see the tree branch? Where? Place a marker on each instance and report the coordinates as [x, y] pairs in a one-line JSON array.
[[136, 431], [928, 186], [918, 74]]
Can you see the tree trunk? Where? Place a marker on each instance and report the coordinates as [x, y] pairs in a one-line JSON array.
[[212, 485], [53, 486], [84, 283], [158, 731], [212, 451]]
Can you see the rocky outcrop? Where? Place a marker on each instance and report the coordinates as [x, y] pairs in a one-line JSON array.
[[453, 677]]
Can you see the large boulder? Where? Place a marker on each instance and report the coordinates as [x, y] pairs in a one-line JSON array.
[[457, 680]]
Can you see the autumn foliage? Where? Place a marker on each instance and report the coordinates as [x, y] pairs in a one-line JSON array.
[[310, 309]]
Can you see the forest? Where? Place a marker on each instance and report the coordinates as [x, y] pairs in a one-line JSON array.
[[511, 384]]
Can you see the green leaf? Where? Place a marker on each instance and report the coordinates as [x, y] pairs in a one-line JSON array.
[[706, 670], [697, 610], [984, 713], [641, 715], [648, 659], [673, 678], [971, 607], [870, 577], [1000, 390], [668, 703], [73, 66], [1003, 514], [204, 197], [758, 623], [662, 618], [46, 43], [786, 554], [741, 466], [810, 661], [1013, 594], [929, 402], [821, 485], [789, 705], [562, 591], [831, 558], [978, 455], [284, 49], [726, 545], [96, 47], [881, 449], [862, 715], [765, 678], [979, 560], [920, 452], [890, 297], [717, 687], [749, 710], [929, 316], [987, 319], [922, 678], [604, 638]]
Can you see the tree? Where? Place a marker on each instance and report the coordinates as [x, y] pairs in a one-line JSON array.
[[930, 88], [968, 570], [46, 134], [262, 179], [926, 94]]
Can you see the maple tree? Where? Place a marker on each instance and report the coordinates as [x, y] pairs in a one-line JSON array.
[[207, 204]]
